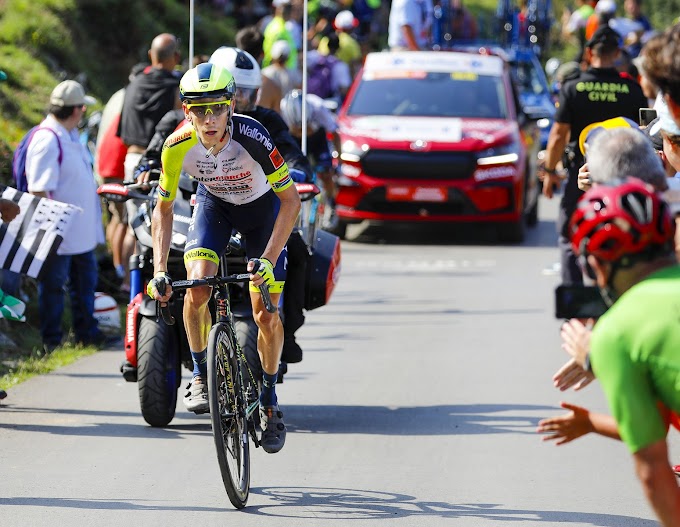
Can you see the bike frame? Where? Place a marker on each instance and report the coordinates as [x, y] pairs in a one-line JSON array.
[[224, 315]]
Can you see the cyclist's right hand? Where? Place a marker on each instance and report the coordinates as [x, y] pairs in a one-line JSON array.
[[160, 287]]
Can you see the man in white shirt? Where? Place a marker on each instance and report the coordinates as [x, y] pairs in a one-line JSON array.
[[409, 24], [58, 167]]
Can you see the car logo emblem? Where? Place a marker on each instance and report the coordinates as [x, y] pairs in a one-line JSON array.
[[419, 145]]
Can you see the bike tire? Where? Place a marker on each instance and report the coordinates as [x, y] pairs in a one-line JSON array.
[[227, 414]]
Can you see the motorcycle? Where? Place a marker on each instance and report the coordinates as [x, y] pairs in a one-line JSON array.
[[154, 351]]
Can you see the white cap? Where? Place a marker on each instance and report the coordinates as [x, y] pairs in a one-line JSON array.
[[280, 48], [345, 20], [70, 93], [279, 3], [606, 7]]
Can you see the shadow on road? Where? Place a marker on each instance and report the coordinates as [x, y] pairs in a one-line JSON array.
[[415, 420], [320, 504], [541, 235], [123, 505], [108, 426], [324, 419]]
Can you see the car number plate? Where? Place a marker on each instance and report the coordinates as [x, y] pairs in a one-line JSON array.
[[432, 194]]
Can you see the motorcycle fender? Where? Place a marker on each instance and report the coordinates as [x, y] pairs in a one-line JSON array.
[[147, 306], [131, 328]]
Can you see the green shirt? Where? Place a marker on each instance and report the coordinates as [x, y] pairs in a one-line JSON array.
[[276, 30], [635, 354]]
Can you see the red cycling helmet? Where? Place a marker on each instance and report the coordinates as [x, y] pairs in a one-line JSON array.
[[612, 222]]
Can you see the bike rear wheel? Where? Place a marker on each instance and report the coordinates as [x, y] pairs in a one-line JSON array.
[[227, 413]]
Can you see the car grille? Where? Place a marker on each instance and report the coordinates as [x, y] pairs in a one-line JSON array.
[[456, 204], [394, 164]]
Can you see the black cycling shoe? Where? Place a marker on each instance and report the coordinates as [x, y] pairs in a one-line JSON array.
[[292, 352], [273, 430], [3, 394]]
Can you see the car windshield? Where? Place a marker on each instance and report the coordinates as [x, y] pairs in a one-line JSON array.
[[528, 80], [432, 95]]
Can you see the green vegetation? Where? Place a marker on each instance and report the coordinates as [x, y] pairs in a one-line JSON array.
[[15, 369], [45, 41]]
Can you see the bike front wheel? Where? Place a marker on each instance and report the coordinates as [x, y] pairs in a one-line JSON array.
[[228, 414]]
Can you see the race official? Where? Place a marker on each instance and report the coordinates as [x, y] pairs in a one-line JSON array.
[[597, 94]]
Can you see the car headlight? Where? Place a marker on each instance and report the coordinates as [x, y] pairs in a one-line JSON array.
[[498, 155], [352, 151]]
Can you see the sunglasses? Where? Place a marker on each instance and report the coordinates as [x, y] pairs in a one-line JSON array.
[[202, 109]]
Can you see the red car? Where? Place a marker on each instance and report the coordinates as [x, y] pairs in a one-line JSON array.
[[437, 137]]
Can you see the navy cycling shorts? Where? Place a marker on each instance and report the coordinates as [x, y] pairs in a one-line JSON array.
[[213, 220]]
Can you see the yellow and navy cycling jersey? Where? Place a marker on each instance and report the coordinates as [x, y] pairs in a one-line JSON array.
[[239, 173]]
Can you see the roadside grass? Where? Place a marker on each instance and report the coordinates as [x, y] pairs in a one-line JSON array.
[[26, 358], [16, 369]]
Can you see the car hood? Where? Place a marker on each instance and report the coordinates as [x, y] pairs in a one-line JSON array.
[[537, 106], [429, 132]]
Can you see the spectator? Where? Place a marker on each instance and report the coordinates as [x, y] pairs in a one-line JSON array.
[[633, 9], [285, 78], [71, 182], [463, 23], [349, 50], [653, 132], [624, 233], [620, 148], [583, 101], [661, 57], [648, 87], [614, 151], [277, 30], [328, 77], [408, 25], [148, 97], [575, 25], [250, 39], [605, 10], [109, 167]]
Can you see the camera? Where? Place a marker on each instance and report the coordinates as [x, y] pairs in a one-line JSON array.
[[579, 301]]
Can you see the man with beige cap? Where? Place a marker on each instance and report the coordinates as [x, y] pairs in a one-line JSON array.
[[58, 167]]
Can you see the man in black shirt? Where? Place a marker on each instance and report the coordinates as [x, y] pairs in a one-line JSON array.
[[597, 94], [148, 97]]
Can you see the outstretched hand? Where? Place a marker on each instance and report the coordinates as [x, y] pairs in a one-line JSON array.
[[8, 210], [566, 427], [572, 375], [576, 339]]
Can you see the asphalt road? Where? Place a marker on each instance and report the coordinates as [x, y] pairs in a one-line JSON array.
[[415, 405]]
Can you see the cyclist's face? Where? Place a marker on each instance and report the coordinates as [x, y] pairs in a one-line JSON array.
[[245, 99], [209, 116]]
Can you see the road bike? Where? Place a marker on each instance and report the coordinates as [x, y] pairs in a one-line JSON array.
[[232, 389]]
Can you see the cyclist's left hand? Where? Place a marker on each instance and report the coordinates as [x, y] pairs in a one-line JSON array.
[[265, 274]]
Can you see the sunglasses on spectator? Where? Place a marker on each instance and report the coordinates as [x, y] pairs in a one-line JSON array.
[[202, 109]]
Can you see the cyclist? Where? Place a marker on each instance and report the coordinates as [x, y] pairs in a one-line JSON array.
[[623, 234], [320, 122], [246, 71], [244, 184]]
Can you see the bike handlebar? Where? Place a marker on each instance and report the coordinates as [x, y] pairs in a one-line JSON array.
[[164, 310]]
